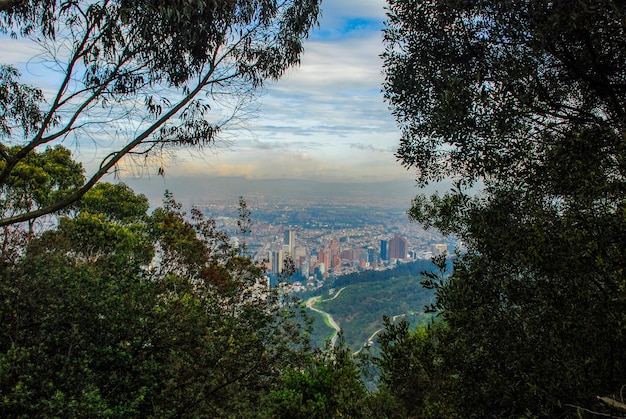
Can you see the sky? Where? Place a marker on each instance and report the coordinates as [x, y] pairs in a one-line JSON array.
[[325, 120]]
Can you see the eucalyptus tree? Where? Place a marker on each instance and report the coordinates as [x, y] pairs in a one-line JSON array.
[[139, 78], [525, 99]]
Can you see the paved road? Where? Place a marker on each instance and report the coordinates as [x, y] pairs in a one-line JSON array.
[[371, 338], [313, 300]]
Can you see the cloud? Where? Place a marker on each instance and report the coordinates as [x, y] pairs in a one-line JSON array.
[[369, 147], [341, 65], [341, 18], [304, 157], [336, 92], [18, 51], [325, 120]]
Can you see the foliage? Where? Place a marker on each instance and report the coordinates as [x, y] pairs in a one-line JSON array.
[[148, 75], [19, 104], [527, 98], [329, 386], [95, 326], [489, 80], [359, 308], [38, 180], [116, 201], [412, 372], [319, 332], [401, 270]]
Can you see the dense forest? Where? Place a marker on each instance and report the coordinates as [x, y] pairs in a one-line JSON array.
[[111, 310]]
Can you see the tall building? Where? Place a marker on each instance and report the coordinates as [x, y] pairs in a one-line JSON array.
[[290, 242], [398, 248], [299, 252], [383, 250], [305, 268], [277, 261], [324, 257], [372, 256]]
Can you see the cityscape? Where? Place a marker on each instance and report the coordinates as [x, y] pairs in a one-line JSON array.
[[325, 239]]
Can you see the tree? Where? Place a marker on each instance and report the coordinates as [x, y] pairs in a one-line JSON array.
[[478, 88], [413, 380], [117, 202], [526, 99], [148, 75], [330, 385], [95, 326], [39, 180]]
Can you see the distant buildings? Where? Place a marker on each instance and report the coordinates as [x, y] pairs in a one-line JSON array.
[[383, 250], [289, 242], [340, 256], [439, 248], [277, 260], [398, 248]]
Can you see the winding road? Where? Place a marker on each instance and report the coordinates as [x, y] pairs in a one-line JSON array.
[[370, 340], [329, 319]]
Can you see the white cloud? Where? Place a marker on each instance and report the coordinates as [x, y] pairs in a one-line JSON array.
[[325, 119]]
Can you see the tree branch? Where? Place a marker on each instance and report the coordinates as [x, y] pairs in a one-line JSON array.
[[115, 158], [613, 403], [39, 138]]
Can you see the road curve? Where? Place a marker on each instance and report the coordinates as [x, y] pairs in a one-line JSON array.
[[371, 338], [310, 305]]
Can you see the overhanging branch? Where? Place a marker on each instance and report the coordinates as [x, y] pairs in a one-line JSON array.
[[110, 163]]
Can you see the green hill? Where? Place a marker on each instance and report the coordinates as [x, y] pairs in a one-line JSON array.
[[359, 308]]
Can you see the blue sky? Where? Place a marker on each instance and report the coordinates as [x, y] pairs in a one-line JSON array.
[[325, 120]]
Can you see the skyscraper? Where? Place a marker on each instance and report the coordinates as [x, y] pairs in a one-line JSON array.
[[383, 250], [371, 255], [277, 261], [398, 248], [290, 242]]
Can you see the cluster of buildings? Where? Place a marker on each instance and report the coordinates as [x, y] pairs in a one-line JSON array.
[[330, 238], [338, 257]]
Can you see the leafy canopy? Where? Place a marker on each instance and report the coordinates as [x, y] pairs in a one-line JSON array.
[[527, 98], [147, 75], [95, 325]]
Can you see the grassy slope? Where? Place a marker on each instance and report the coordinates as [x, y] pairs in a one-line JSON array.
[[359, 309]]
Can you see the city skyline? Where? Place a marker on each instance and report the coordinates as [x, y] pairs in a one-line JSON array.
[[329, 240]]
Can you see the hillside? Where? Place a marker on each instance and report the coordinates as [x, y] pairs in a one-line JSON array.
[[360, 307]]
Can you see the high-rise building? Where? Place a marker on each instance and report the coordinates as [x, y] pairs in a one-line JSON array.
[[324, 257], [305, 267], [398, 248], [299, 252], [383, 250], [290, 241], [335, 261], [372, 256], [277, 261]]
